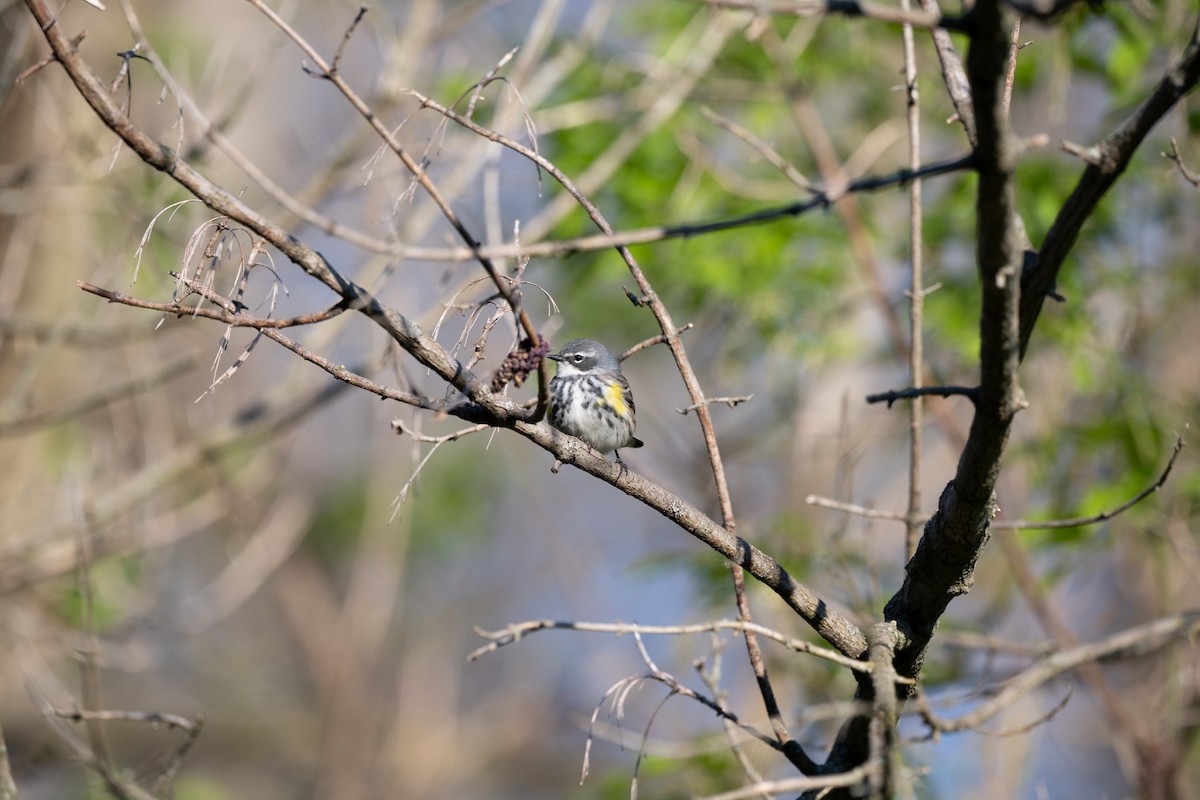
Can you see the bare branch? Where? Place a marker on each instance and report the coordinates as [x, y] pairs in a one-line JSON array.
[[329, 73], [1075, 522], [653, 340], [1107, 160], [791, 748], [787, 785], [780, 163], [709, 670], [1014, 524], [155, 718], [1189, 176], [849, 8], [337, 57], [857, 510], [403, 430], [885, 712], [953, 76], [191, 727], [916, 292], [515, 632], [677, 688], [732, 402], [115, 784], [237, 318], [890, 397], [1138, 641]]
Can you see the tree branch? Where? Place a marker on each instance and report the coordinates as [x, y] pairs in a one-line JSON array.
[[944, 564], [1140, 640], [1109, 159], [891, 396], [848, 8]]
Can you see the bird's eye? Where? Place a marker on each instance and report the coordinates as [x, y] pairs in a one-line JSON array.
[[578, 358]]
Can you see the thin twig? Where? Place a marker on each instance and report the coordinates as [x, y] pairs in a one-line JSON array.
[[653, 340], [791, 748], [513, 298], [857, 510], [1014, 524], [48, 60], [709, 671], [1011, 76], [916, 293], [238, 318], [732, 402], [849, 8], [337, 56], [171, 769], [787, 168], [1135, 642], [890, 397], [336, 370], [1075, 522], [671, 682], [515, 632], [1189, 176], [401, 429], [953, 76], [114, 783], [155, 718], [791, 785]]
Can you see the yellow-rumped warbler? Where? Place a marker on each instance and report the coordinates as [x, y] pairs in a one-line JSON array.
[[590, 398]]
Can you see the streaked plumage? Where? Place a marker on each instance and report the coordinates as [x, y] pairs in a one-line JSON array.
[[591, 399]]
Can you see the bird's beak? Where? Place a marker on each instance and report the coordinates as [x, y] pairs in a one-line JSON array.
[[554, 356]]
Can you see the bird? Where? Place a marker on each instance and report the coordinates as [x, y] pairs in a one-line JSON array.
[[591, 399]]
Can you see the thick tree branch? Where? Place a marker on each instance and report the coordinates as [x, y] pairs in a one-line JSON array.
[[1109, 158], [885, 712], [834, 627], [944, 564], [945, 560]]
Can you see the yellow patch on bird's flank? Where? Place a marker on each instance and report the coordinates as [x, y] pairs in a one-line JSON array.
[[615, 396]]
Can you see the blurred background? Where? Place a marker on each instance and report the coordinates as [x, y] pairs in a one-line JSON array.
[[266, 552]]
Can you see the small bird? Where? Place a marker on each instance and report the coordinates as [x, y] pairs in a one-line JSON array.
[[590, 398]]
